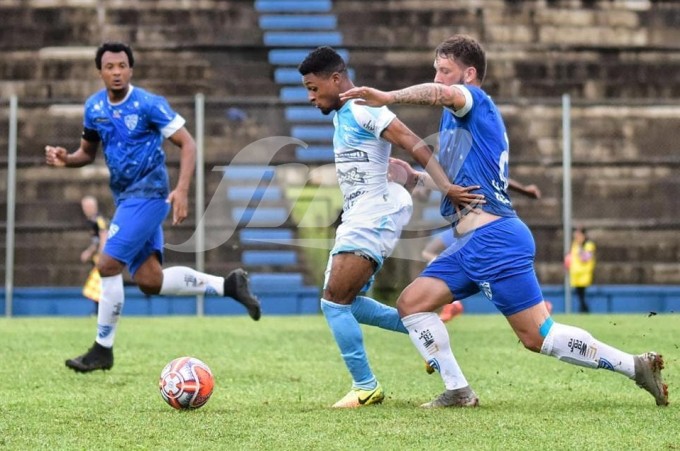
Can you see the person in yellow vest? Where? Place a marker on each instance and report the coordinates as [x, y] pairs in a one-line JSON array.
[[581, 265], [98, 226]]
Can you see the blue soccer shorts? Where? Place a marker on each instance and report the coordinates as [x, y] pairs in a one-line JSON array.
[[496, 259], [136, 231]]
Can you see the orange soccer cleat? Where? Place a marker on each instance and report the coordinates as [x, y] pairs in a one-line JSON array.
[[451, 310]]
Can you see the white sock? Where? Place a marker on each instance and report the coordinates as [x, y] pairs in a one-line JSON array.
[[184, 281], [110, 309], [431, 339], [576, 346]]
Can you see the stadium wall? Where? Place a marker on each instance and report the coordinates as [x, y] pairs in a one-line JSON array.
[[617, 58], [68, 301]]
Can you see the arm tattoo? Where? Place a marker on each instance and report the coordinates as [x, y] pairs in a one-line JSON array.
[[424, 94]]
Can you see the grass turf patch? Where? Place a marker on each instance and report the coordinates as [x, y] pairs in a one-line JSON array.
[[276, 379]]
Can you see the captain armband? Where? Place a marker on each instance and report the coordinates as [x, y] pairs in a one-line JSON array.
[[91, 135]]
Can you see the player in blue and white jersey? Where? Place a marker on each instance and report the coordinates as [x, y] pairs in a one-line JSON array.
[[494, 250], [131, 124], [374, 213]]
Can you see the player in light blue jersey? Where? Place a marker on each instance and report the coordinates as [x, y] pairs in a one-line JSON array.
[[494, 250], [131, 124], [374, 213]]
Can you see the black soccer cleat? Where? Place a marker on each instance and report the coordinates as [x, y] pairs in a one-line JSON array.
[[96, 358], [237, 286]]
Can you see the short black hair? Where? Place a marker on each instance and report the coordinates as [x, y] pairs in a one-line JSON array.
[[466, 50], [114, 47], [322, 61]]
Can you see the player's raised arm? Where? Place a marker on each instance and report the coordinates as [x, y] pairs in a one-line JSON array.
[[400, 135]]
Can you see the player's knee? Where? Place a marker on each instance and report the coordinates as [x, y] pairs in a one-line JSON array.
[[532, 343], [338, 296], [530, 337], [108, 267], [149, 289], [407, 303], [148, 284]]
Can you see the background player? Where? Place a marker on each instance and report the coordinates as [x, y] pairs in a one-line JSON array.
[[131, 124]]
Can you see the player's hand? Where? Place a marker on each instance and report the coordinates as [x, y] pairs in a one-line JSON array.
[[367, 96], [401, 172], [464, 199], [533, 191], [55, 156], [85, 256], [180, 206]]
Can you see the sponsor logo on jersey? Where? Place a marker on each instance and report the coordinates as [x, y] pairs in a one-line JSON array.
[[351, 156], [369, 125], [352, 198], [349, 128], [352, 176], [354, 195]]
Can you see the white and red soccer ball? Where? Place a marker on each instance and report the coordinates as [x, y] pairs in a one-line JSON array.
[[186, 383]]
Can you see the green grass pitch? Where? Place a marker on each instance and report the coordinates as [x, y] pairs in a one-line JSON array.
[[275, 380]]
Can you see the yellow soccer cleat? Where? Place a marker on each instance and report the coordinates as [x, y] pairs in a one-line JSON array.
[[359, 398], [428, 368]]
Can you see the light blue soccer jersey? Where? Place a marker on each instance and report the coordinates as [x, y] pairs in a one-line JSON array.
[[482, 161], [132, 133], [361, 156]]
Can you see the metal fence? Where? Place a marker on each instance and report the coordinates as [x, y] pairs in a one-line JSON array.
[[553, 139]]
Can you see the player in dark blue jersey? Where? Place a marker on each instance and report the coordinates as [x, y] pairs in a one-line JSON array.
[[493, 250], [130, 124]]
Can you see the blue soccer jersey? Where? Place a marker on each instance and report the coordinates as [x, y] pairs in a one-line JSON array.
[[480, 161], [498, 257], [132, 132]]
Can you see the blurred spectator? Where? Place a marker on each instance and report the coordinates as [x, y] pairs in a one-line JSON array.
[[97, 225], [580, 263]]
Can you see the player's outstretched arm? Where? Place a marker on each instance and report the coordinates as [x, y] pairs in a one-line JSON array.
[[400, 135], [434, 94], [528, 190]]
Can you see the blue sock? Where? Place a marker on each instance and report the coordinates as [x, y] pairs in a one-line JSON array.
[[369, 311], [350, 340]]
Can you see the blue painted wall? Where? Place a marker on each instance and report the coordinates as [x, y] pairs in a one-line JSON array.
[[301, 300]]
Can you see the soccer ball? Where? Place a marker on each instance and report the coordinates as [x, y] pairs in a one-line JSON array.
[[186, 383]]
